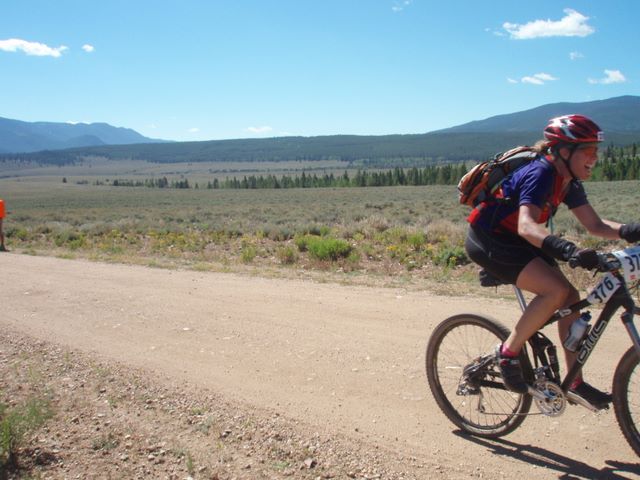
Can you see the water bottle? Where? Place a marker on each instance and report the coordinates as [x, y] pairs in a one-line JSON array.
[[577, 331]]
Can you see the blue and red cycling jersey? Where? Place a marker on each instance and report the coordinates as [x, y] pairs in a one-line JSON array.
[[536, 183]]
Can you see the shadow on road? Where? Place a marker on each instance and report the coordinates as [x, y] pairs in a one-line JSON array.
[[565, 466]]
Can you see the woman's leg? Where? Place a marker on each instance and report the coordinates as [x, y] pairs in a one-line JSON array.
[[563, 328], [551, 289], [552, 292]]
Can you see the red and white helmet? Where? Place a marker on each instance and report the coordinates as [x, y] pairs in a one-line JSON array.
[[573, 129]]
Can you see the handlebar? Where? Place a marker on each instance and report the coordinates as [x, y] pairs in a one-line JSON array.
[[607, 262]]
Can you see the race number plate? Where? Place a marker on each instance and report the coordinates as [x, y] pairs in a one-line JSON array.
[[630, 260], [602, 292]]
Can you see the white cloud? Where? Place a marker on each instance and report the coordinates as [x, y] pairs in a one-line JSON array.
[[497, 33], [194, 130], [88, 48], [532, 80], [545, 77], [573, 24], [611, 76], [31, 48], [536, 79], [400, 5], [260, 130], [575, 55]]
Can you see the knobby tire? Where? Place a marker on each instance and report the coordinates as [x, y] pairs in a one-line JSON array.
[[626, 397], [454, 344]]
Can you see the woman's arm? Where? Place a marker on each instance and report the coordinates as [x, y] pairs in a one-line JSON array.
[[595, 225], [557, 247], [528, 228]]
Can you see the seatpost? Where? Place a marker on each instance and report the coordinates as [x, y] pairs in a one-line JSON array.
[[520, 296]]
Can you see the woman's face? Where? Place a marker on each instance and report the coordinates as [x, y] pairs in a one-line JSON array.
[[583, 160]]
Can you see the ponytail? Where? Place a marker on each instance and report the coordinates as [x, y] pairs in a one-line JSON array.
[[543, 146]]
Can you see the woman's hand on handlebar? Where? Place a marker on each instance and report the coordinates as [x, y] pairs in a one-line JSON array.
[[630, 232], [587, 258]]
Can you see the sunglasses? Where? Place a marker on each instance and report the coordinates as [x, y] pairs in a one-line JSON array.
[[589, 149]]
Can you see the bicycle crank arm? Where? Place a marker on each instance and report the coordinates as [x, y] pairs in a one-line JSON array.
[[573, 398], [538, 395]]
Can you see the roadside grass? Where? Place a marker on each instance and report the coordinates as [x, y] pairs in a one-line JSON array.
[[386, 230], [16, 422], [323, 247]]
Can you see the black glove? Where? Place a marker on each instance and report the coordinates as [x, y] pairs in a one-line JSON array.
[[559, 248], [586, 258], [630, 232]]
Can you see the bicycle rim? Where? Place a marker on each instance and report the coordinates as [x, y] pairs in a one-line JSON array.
[[626, 397], [481, 410]]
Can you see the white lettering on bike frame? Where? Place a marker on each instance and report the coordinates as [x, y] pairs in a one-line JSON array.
[[630, 260], [605, 288]]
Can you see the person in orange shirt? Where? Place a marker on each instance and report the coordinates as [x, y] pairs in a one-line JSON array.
[[2, 213]]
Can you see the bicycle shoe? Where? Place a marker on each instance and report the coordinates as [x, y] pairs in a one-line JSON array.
[[595, 397], [511, 372]]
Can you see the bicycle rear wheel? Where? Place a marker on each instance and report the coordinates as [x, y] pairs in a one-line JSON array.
[[464, 378], [626, 397]]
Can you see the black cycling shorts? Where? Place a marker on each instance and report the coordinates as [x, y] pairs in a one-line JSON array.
[[502, 255]]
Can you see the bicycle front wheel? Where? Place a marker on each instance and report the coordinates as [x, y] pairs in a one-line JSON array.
[[626, 397], [464, 378]]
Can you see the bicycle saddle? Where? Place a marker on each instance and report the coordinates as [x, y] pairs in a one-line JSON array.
[[489, 280]]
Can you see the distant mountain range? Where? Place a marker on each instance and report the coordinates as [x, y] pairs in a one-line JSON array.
[[615, 115], [619, 117], [18, 136]]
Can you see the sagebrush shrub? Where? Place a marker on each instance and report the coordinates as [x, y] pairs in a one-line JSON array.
[[451, 256], [248, 253], [328, 248], [287, 255]]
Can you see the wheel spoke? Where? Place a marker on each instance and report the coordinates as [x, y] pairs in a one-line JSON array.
[[462, 342]]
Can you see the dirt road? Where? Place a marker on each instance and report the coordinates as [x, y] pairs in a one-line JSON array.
[[342, 359]]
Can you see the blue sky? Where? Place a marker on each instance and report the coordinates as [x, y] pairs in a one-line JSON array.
[[208, 69]]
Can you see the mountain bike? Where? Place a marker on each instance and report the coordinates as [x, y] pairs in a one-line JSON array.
[[465, 381]]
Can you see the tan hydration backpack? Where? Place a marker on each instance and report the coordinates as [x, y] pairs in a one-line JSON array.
[[483, 180]]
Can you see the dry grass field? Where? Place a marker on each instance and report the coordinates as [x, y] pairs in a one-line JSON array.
[[388, 232]]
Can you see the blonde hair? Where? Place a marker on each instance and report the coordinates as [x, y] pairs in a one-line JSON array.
[[542, 146]]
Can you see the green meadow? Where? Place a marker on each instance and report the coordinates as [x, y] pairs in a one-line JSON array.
[[385, 232]]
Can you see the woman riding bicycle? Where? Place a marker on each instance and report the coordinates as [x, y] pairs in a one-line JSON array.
[[508, 238]]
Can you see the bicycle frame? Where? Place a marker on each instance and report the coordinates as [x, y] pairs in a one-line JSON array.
[[543, 348], [466, 380]]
